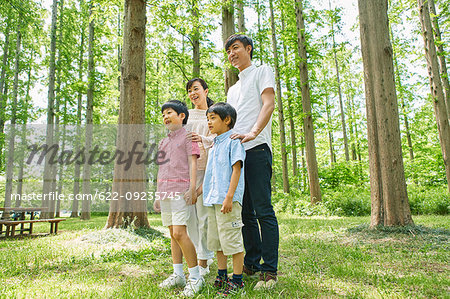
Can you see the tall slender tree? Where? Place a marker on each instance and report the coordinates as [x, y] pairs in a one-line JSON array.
[[441, 54], [57, 139], [77, 167], [3, 93], [341, 103], [12, 133], [437, 92], [284, 165], [389, 197], [308, 126], [23, 137], [195, 39], [231, 76], [330, 130], [402, 101], [289, 102], [47, 184], [86, 185], [131, 114], [259, 35], [240, 15]]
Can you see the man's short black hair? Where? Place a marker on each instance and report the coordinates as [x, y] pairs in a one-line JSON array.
[[223, 110], [178, 106], [244, 39]]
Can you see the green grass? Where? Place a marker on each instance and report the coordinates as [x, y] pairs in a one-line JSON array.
[[319, 257]]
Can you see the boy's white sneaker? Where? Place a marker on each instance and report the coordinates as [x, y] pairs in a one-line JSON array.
[[172, 281], [203, 271], [193, 286]]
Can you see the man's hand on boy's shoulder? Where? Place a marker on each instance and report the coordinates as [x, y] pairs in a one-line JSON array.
[[244, 137], [227, 205]]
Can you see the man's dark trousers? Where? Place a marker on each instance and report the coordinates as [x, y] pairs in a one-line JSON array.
[[257, 211]]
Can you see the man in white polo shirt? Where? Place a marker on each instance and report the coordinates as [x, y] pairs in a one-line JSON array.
[[253, 97]]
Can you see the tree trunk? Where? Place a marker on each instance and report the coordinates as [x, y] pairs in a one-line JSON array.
[[119, 50], [52, 204], [3, 94], [240, 16], [56, 206], [61, 166], [284, 165], [77, 167], [47, 184], [12, 135], [304, 169], [290, 108], [402, 103], [341, 104], [311, 160], [441, 55], [231, 75], [351, 131], [356, 145], [24, 136], [330, 132], [261, 49], [389, 196], [436, 87], [131, 115], [195, 41], [86, 182]]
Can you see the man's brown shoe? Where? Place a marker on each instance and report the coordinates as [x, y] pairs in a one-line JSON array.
[[248, 272], [267, 280]]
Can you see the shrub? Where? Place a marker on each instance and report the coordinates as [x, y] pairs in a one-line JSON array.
[[342, 173], [297, 203], [429, 199], [348, 201]]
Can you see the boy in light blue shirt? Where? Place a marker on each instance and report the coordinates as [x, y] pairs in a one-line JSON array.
[[223, 190]]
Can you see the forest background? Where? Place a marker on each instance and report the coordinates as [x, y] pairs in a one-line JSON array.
[[184, 40]]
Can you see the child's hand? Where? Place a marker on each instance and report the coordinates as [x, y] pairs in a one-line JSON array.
[[157, 206], [190, 196], [194, 196], [194, 137], [227, 205]]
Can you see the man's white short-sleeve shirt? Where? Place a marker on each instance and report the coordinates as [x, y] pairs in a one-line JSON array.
[[245, 97]]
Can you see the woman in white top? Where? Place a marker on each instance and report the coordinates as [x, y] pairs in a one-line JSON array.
[[197, 91]]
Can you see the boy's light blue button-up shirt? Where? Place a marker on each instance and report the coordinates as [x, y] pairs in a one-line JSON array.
[[224, 153]]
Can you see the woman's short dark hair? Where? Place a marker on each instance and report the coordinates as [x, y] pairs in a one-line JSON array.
[[202, 82], [244, 39], [178, 106], [223, 110]]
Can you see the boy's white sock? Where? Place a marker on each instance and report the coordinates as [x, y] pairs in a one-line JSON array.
[[178, 269], [194, 273]]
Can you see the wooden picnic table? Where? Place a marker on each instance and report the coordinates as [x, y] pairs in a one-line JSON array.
[[19, 219]]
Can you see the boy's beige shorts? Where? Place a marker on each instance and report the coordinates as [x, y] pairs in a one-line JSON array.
[[175, 212], [225, 230]]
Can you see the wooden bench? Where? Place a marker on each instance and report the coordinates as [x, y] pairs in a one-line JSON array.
[[11, 226]]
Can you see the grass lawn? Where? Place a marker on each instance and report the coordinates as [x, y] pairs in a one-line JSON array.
[[319, 257]]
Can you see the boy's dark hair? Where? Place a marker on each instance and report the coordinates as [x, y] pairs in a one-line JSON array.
[[202, 82], [244, 39], [223, 110], [178, 106]]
